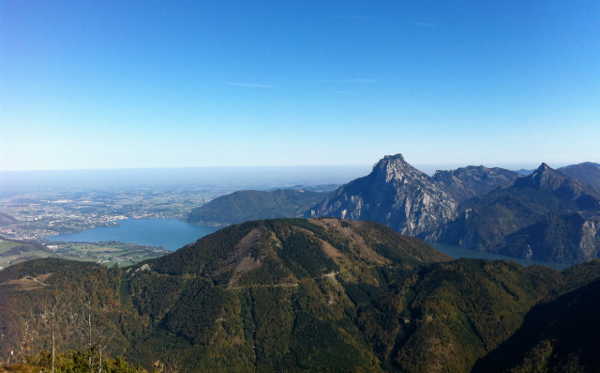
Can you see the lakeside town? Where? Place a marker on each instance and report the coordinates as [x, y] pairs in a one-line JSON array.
[[36, 216]]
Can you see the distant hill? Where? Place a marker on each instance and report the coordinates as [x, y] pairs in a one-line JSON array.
[[545, 216], [473, 181], [524, 172], [293, 295], [314, 188], [254, 205], [587, 172], [6, 219]]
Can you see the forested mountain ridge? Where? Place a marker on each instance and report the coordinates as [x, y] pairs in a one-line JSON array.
[[285, 295], [556, 336], [249, 205]]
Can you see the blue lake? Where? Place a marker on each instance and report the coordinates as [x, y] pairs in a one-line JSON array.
[[171, 234]]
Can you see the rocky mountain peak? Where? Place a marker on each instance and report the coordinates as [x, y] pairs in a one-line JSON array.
[[544, 177], [394, 167], [543, 167], [397, 156], [395, 194]]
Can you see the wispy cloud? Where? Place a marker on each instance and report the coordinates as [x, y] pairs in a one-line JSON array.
[[249, 85], [353, 80]]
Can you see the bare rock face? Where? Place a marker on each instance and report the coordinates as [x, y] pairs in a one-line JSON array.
[[395, 194], [589, 243]]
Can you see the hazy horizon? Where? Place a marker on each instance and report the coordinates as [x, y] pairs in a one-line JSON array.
[[243, 177], [427, 168]]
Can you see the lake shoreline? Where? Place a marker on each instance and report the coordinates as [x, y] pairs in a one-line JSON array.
[[166, 233]]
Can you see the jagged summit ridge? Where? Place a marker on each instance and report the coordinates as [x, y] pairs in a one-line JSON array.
[[543, 176], [550, 180], [543, 167]]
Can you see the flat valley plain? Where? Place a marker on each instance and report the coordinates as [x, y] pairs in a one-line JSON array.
[[109, 253]]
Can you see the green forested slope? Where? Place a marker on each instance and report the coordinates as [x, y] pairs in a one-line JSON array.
[[557, 336], [249, 205], [294, 295]]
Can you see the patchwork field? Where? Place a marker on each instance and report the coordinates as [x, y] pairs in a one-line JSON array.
[[108, 253]]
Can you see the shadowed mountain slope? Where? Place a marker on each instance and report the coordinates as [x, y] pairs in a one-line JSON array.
[[249, 205], [557, 336], [586, 172], [545, 216], [473, 181]]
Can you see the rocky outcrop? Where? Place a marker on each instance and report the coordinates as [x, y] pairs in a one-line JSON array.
[[395, 194], [589, 243]]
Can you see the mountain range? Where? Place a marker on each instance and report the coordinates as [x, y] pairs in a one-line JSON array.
[[350, 288], [545, 214], [296, 295]]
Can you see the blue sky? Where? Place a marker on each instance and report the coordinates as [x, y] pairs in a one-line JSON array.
[[110, 84]]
